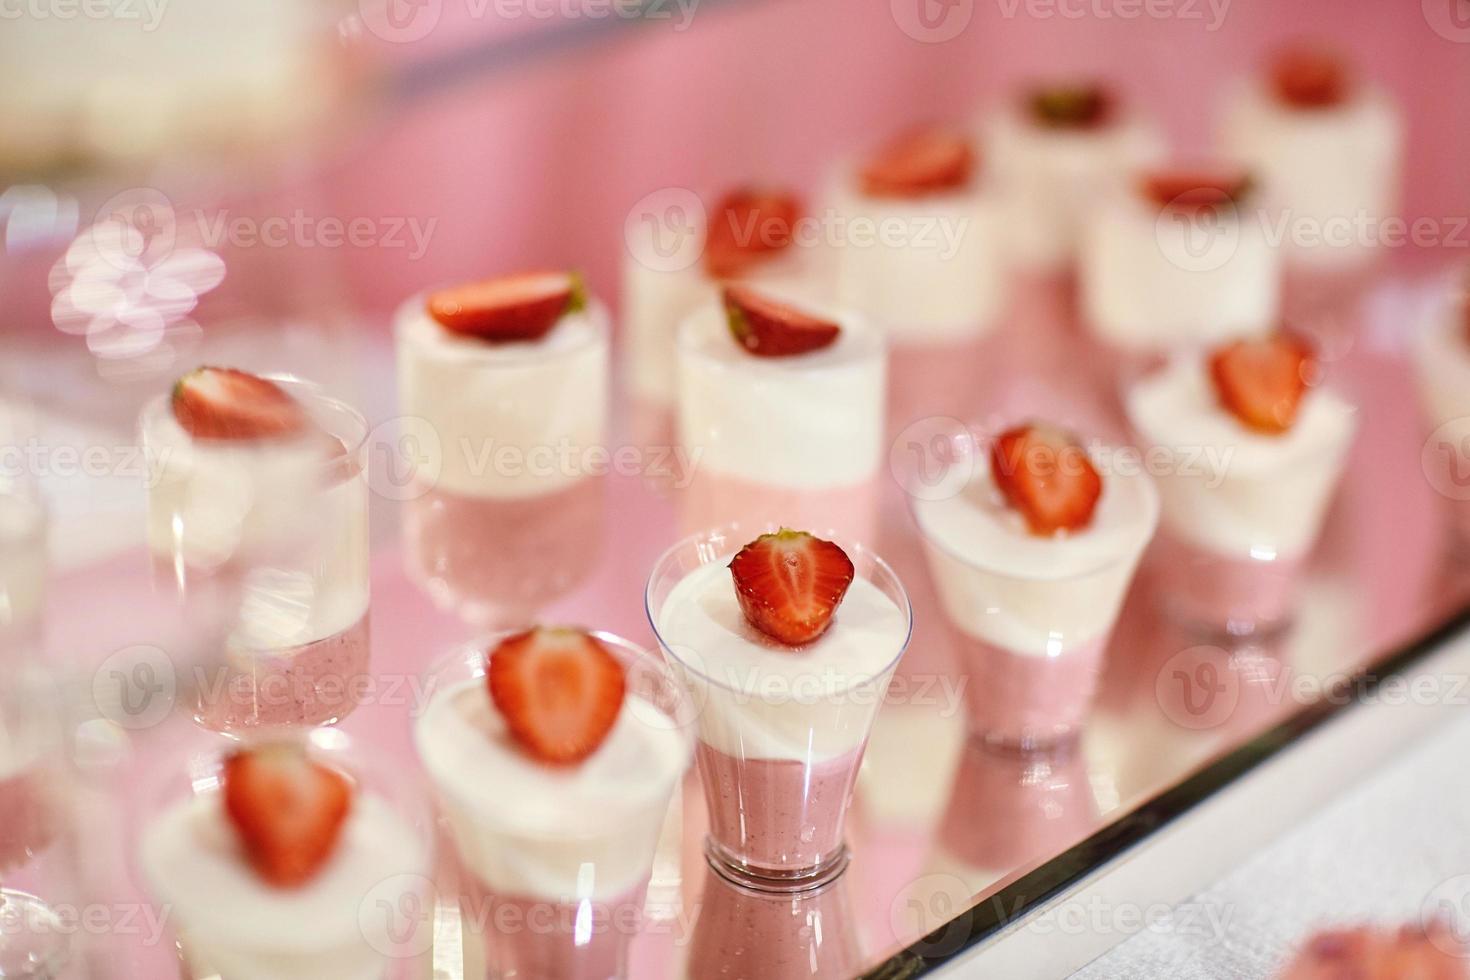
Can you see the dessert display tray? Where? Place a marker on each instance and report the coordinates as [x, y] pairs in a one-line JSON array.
[[950, 840]]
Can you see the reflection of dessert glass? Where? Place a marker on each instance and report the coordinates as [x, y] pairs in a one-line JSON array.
[[1442, 359], [1178, 258], [33, 942], [509, 500], [1242, 504], [287, 860], [1031, 579], [1327, 147], [556, 854], [1053, 153], [782, 727], [745, 934], [1009, 810], [795, 437], [677, 263], [22, 569], [262, 523], [920, 254]]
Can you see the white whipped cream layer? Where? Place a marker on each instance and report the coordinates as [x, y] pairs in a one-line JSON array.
[[1323, 171], [929, 270], [295, 519], [656, 301], [505, 415], [1229, 489], [1037, 596], [1156, 278], [246, 929], [807, 421], [1048, 178], [22, 565], [761, 699], [560, 833]]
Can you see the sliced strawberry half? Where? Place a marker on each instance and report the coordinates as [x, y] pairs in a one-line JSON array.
[[1261, 381], [520, 307], [1072, 106], [790, 583], [1196, 190], [287, 809], [768, 328], [558, 689], [922, 161], [223, 403], [747, 227], [1310, 78], [1045, 474]]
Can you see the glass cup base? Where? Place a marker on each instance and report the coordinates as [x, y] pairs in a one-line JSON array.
[[34, 946], [780, 881]]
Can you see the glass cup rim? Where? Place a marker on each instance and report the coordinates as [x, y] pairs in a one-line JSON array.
[[297, 386], [1152, 503], [735, 530]]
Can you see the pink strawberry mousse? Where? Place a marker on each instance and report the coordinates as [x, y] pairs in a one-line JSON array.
[[1031, 613], [783, 728]]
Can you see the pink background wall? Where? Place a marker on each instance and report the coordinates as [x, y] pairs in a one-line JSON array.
[[541, 164]]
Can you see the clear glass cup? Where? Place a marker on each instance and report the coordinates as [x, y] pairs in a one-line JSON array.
[[504, 508], [779, 746], [803, 935], [34, 941], [364, 914], [1031, 617], [267, 544], [553, 862]]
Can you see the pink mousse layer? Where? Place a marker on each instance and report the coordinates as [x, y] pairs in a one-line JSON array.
[[26, 824], [530, 938], [499, 561], [777, 814], [712, 500], [1028, 700], [742, 935], [315, 684], [1210, 591]]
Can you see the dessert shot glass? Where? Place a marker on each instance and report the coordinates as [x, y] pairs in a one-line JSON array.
[[554, 861], [35, 941], [266, 543], [505, 513], [781, 733], [363, 913]]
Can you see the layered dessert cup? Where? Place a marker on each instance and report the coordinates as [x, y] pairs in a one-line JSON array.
[[745, 932], [509, 381], [1178, 257], [922, 255], [781, 412], [257, 512], [1052, 153], [1247, 449], [679, 260], [787, 642], [287, 859], [22, 570], [553, 754], [1032, 559], [1442, 363], [1327, 146]]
